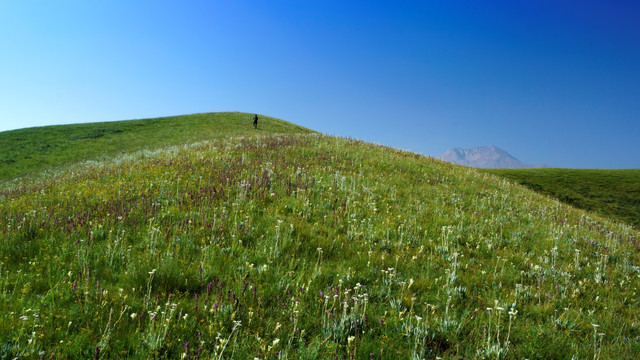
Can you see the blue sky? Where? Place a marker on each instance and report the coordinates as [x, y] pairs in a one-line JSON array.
[[555, 82]]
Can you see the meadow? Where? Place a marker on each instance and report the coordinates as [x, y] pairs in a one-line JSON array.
[[610, 193], [288, 246], [32, 150]]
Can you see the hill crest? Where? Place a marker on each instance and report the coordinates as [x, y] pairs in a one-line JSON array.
[[27, 151]]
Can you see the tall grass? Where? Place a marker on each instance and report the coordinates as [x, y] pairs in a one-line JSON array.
[[306, 246]]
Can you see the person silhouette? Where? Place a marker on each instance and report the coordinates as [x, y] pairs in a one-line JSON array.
[[255, 121]]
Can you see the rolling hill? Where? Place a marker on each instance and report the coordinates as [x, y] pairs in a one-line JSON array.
[[27, 151], [611, 193], [302, 245]]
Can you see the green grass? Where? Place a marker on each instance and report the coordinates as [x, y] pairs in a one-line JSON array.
[[611, 193], [28, 151], [306, 246]]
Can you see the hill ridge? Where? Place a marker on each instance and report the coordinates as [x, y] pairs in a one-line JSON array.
[[27, 151]]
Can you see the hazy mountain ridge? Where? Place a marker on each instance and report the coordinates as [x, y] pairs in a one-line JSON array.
[[484, 157]]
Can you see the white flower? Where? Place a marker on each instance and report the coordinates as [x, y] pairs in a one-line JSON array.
[[350, 340], [133, 315]]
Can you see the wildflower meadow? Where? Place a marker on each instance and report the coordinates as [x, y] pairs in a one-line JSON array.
[[306, 247]]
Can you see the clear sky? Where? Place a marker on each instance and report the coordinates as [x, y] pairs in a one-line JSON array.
[[549, 81]]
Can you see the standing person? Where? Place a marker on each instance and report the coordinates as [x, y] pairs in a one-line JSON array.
[[255, 121]]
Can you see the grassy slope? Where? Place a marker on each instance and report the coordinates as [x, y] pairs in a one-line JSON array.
[[27, 151], [612, 193], [307, 246]]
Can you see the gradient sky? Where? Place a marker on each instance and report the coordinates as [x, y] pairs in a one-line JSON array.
[[549, 81]]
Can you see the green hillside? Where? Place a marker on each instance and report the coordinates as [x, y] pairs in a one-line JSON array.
[[611, 193], [291, 246], [25, 151]]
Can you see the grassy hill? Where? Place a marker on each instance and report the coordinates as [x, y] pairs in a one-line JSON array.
[[26, 151], [611, 193], [306, 246]]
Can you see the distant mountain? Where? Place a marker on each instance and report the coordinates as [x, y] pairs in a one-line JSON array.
[[484, 157]]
